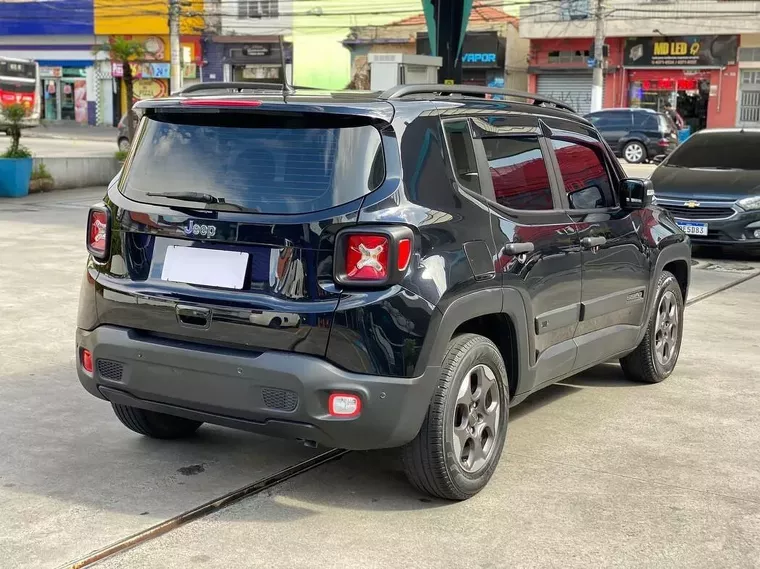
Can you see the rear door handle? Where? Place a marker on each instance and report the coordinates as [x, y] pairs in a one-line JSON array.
[[591, 242], [518, 248]]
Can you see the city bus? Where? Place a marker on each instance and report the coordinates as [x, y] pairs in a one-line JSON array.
[[20, 83]]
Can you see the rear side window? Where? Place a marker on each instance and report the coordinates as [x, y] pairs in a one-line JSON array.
[[519, 175], [462, 154], [585, 177], [648, 122], [282, 166], [719, 150]]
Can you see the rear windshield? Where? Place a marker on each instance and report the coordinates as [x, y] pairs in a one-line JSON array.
[[722, 150], [277, 166]]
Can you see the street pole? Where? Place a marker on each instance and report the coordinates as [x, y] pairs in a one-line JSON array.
[[176, 64], [597, 83]]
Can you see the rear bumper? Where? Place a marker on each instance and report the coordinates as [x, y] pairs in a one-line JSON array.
[[272, 393]]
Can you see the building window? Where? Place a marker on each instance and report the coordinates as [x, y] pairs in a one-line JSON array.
[[569, 56], [257, 9], [751, 77], [749, 54]]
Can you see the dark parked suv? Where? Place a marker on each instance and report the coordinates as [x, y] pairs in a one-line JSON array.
[[638, 135], [370, 270]]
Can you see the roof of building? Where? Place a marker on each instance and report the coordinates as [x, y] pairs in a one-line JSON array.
[[480, 14]]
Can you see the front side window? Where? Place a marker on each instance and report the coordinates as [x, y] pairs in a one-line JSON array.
[[462, 154], [585, 178], [518, 171]]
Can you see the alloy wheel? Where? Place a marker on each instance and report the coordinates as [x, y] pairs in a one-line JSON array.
[[476, 418], [634, 153], [666, 329]]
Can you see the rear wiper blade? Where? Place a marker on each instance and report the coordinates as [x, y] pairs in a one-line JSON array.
[[187, 196]]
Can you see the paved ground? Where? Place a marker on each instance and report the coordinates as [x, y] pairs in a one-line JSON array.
[[597, 472], [70, 130], [65, 148]]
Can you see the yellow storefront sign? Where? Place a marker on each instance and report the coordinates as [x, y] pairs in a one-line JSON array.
[[146, 17]]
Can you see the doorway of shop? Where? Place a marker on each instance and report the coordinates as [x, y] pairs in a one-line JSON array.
[[689, 97]]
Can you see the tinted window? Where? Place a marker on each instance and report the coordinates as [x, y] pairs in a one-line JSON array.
[[647, 121], [264, 167], [18, 69], [724, 150], [520, 179], [585, 178], [462, 154], [13, 87]]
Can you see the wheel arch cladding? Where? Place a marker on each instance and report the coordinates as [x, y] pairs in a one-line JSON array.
[[680, 270], [489, 313], [500, 329]]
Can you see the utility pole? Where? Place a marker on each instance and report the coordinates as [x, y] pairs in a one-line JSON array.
[[597, 83], [176, 65]]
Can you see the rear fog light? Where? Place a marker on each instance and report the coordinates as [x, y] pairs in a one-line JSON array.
[[344, 405], [86, 358]]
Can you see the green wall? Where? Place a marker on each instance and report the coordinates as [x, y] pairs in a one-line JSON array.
[[320, 59]]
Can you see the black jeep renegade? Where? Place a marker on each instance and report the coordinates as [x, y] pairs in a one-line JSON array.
[[370, 270]]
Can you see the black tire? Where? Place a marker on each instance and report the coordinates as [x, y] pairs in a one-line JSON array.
[[643, 364], [431, 461], [155, 425], [638, 158]]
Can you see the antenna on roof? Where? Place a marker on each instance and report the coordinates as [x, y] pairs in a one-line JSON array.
[[284, 67]]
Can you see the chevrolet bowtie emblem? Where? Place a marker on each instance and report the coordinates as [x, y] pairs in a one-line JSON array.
[[691, 203]]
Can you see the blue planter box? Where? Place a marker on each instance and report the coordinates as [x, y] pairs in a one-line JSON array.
[[683, 134], [15, 174]]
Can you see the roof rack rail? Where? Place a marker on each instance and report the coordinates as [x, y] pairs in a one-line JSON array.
[[236, 87], [401, 91]]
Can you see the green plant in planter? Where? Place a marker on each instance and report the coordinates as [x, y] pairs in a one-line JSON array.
[[15, 114], [42, 180], [121, 155], [16, 162]]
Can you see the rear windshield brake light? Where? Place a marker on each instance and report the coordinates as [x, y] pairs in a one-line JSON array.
[[220, 103]]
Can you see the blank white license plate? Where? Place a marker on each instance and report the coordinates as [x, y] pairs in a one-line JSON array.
[[692, 228], [209, 267]]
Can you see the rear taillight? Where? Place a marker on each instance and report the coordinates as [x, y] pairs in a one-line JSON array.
[[373, 256], [663, 142], [98, 232], [367, 257]]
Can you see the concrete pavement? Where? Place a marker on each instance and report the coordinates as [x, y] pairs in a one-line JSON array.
[[597, 472]]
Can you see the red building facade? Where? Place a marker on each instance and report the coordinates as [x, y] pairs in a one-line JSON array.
[[697, 74]]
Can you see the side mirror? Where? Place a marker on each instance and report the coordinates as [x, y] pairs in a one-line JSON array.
[[636, 193]]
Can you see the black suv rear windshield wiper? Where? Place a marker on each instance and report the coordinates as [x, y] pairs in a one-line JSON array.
[[187, 196], [203, 198]]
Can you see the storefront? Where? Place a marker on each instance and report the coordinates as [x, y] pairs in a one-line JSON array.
[[483, 57], [64, 92], [697, 75], [240, 58], [61, 46], [561, 69], [151, 75]]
